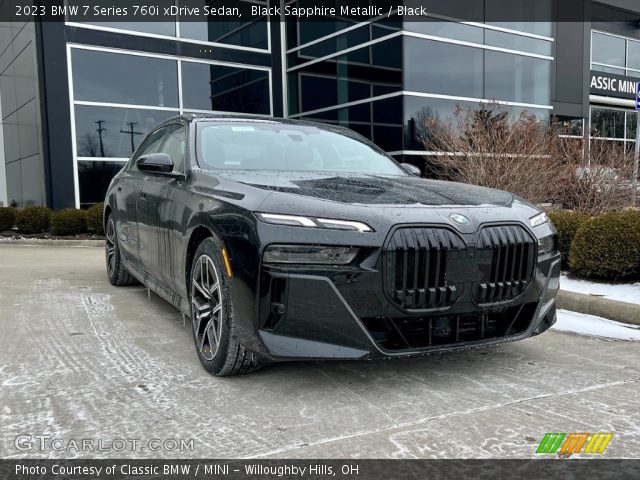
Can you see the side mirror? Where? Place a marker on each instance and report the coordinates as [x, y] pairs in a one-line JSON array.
[[155, 162], [411, 169]]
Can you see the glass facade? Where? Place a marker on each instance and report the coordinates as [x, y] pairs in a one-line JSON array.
[[246, 34], [621, 56], [615, 54], [353, 74], [119, 96]]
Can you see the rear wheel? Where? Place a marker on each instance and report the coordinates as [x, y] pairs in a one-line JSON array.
[[116, 271], [212, 317]]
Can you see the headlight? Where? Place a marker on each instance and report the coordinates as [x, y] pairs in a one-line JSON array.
[[539, 219], [309, 254], [297, 221], [547, 244]]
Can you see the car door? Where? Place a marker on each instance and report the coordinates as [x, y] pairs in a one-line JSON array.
[[157, 207], [127, 193]]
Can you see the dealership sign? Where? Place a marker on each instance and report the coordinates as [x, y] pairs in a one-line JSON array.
[[611, 85]]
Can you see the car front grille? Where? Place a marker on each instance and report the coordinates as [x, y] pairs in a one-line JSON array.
[[416, 332], [417, 262], [427, 268], [512, 253]]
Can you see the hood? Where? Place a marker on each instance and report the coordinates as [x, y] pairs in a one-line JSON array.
[[370, 189]]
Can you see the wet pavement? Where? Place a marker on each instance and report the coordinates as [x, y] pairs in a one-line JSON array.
[[81, 360]]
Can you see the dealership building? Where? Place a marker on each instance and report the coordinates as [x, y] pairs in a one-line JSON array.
[[76, 98]]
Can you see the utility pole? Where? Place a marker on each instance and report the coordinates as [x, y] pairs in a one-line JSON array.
[[100, 129], [132, 133]]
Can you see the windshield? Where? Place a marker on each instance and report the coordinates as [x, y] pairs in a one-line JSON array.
[[274, 146]]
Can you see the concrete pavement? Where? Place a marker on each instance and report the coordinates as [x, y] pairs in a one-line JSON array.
[[82, 360]]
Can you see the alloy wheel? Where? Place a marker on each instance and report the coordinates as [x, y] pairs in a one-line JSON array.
[[206, 302], [110, 246]]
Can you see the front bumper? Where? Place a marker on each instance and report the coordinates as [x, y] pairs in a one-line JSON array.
[[346, 314]]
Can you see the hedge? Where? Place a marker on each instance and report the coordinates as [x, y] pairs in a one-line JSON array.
[[95, 221], [567, 223], [69, 222], [607, 247], [33, 220], [7, 218]]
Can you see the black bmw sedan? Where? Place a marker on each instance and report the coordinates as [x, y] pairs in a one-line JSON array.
[[286, 240]]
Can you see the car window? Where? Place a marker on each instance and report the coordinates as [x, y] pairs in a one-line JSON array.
[[274, 146], [174, 145], [149, 145]]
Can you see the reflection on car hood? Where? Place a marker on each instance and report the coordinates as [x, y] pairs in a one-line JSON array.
[[369, 189]]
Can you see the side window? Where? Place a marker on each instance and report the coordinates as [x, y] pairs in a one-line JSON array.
[[175, 145], [149, 145]]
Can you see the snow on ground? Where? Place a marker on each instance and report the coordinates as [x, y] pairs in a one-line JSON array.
[[629, 292], [595, 326]]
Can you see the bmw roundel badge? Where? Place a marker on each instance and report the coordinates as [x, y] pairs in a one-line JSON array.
[[459, 219]]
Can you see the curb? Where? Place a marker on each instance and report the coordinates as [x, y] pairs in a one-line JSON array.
[[601, 307], [51, 242]]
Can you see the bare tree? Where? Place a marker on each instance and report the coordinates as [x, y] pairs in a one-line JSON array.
[[599, 181], [89, 146], [487, 147], [524, 155]]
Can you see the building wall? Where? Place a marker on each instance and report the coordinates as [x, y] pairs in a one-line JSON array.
[[21, 122]]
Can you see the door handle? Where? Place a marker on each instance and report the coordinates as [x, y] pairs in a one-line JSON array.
[[143, 195], [119, 189]]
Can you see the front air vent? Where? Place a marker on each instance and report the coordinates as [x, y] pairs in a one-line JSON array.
[[512, 253], [416, 266]]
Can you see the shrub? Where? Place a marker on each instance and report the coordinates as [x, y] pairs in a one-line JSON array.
[[33, 219], [607, 247], [7, 218], [567, 223], [69, 222], [95, 222]]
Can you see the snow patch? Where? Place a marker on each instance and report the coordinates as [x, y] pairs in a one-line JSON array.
[[629, 292], [595, 326]]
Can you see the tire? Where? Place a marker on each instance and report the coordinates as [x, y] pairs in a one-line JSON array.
[[116, 271], [212, 315]]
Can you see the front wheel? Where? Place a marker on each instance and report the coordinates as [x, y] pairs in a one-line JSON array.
[[116, 271], [214, 326]]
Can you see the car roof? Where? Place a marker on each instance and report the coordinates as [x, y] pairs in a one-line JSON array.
[[230, 117]]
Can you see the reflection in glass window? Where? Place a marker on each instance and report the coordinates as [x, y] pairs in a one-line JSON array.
[[120, 78], [517, 78], [252, 34], [517, 42], [328, 91], [634, 56], [418, 110], [363, 73], [94, 179], [442, 28], [632, 121], [443, 68], [531, 17], [614, 70], [157, 28], [608, 49], [607, 123], [226, 89], [113, 132]]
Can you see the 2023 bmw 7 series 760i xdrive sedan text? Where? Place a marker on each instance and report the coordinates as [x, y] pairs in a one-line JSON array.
[[286, 240]]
